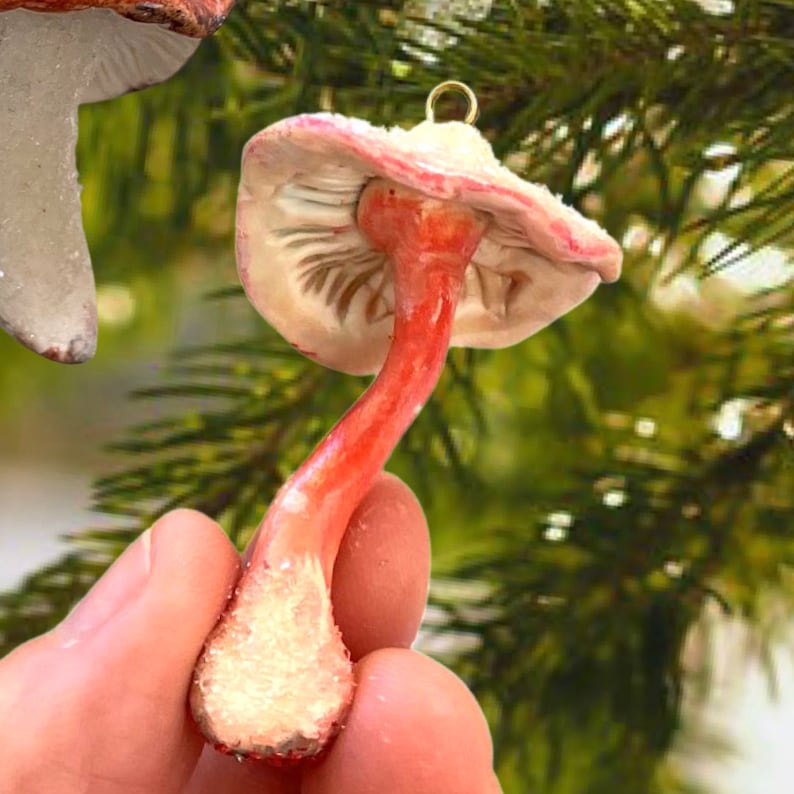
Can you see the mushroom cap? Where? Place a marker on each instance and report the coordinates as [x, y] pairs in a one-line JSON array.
[[311, 273], [196, 18]]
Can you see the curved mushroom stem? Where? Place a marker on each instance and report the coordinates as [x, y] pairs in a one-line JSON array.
[[429, 244], [275, 679]]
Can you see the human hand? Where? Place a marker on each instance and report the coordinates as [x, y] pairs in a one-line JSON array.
[[98, 705]]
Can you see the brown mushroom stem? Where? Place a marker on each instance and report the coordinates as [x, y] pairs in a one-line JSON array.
[[428, 243], [275, 679]]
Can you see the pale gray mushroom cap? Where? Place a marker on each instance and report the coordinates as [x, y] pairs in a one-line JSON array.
[[49, 64], [313, 276]]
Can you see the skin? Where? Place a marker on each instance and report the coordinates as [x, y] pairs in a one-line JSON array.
[[98, 705]]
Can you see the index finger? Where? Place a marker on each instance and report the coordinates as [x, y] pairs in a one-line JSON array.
[[382, 570]]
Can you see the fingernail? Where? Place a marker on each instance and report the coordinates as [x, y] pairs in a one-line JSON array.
[[121, 584]]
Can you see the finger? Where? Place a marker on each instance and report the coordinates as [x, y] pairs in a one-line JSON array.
[[382, 570], [223, 774], [414, 729], [100, 700]]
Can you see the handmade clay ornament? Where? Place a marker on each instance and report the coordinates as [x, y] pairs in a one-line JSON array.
[[369, 250]]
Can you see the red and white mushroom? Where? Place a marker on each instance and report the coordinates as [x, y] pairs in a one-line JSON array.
[[54, 56], [369, 250]]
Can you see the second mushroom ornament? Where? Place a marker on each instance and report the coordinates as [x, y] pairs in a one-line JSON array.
[[54, 56], [369, 250]]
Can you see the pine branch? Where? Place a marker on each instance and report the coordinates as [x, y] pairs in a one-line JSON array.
[[249, 411], [574, 621], [658, 82]]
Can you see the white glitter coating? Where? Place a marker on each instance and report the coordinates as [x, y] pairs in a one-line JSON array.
[[275, 677]]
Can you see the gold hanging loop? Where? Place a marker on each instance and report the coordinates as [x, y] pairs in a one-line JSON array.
[[461, 88]]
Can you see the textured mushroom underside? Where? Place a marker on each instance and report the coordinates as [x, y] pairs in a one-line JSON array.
[[197, 18], [49, 64], [311, 273]]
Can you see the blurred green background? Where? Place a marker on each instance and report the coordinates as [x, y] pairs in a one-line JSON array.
[[610, 501]]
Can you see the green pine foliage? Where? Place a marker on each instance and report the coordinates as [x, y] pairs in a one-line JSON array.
[[584, 508]]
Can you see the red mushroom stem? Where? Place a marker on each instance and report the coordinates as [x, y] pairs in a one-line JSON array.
[[429, 244], [274, 680]]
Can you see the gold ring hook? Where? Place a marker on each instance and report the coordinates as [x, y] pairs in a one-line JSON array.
[[453, 85]]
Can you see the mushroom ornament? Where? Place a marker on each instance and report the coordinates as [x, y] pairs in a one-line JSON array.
[[54, 56], [370, 250]]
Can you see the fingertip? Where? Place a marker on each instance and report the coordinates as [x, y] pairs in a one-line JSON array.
[[194, 569], [223, 774], [382, 570], [193, 534], [414, 729]]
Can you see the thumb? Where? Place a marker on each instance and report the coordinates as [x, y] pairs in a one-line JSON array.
[[98, 704]]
